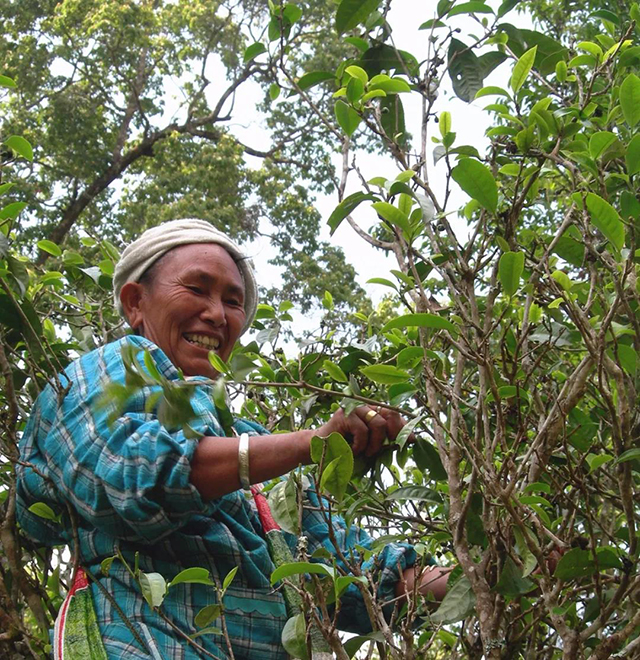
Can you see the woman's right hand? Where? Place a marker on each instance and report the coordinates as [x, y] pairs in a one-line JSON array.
[[365, 428]]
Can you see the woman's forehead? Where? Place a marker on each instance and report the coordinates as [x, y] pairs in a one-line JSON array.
[[203, 260]]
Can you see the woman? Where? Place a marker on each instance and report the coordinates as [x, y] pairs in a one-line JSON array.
[[138, 489]]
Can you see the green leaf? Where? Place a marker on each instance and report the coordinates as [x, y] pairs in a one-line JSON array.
[[578, 563], [193, 575], [292, 13], [562, 279], [385, 374], [334, 371], [422, 320], [50, 247], [383, 281], [407, 430], [353, 12], [327, 300], [105, 565], [598, 460], [628, 358], [630, 99], [477, 181], [492, 90], [252, 51], [511, 583], [458, 603], [5, 81], [629, 206], [283, 502], [473, 7], [154, 588], [570, 250], [392, 118], [336, 476], [599, 142], [606, 219], [528, 558], [209, 630], [381, 58], [405, 176], [344, 581], [228, 578], [274, 91], [510, 270], [393, 215], [489, 61], [222, 407], [347, 117], [358, 72], [338, 462], [561, 71], [6, 187], [522, 68], [358, 42], [314, 78], [427, 458], [415, 493], [629, 455], [218, 364], [301, 568], [346, 207], [444, 123], [352, 645], [464, 70], [44, 511], [20, 146], [294, 637], [633, 156], [207, 615], [12, 210], [605, 15], [389, 85]]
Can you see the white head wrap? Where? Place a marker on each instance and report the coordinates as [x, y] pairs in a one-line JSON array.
[[153, 243]]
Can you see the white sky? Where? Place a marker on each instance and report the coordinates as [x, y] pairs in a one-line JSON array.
[[469, 121]]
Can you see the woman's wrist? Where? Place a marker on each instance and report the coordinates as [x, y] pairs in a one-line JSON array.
[[303, 441]]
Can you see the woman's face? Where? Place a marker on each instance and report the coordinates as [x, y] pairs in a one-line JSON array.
[[193, 304]]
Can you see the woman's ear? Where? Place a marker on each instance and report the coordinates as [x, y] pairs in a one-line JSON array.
[[131, 299]]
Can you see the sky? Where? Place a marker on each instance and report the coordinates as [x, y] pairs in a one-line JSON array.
[[469, 122]]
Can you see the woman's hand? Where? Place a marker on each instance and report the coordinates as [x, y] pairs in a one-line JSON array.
[[365, 429]]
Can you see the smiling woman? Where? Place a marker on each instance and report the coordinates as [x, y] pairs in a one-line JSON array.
[[192, 303], [164, 501]]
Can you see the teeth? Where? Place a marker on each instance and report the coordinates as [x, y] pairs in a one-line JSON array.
[[202, 340]]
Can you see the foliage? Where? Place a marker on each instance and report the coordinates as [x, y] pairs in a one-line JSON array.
[[511, 340]]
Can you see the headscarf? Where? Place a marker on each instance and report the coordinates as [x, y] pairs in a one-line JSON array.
[[153, 243]]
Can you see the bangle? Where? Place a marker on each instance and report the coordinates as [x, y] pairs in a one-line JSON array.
[[243, 461]]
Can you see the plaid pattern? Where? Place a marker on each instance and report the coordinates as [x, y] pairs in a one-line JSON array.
[[129, 485]]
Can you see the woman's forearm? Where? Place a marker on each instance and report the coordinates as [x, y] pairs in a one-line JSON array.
[[433, 581], [214, 466]]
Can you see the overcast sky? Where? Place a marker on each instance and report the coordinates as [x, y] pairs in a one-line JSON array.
[[469, 122]]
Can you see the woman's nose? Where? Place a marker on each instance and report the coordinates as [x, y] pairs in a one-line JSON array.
[[214, 311]]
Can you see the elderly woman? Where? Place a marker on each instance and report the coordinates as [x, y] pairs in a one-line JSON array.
[[165, 501]]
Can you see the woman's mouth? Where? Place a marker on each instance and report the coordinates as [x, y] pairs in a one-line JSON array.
[[209, 343]]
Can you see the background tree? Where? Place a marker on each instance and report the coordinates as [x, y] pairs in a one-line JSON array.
[[510, 338]]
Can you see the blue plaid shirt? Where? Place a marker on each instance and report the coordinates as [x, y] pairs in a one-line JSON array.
[[128, 483]]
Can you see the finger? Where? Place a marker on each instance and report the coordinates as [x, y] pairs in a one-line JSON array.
[[377, 429], [395, 422], [359, 432]]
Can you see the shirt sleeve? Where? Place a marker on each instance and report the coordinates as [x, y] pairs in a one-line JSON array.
[[130, 477], [385, 566]]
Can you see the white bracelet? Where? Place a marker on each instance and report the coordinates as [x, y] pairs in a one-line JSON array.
[[243, 461]]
